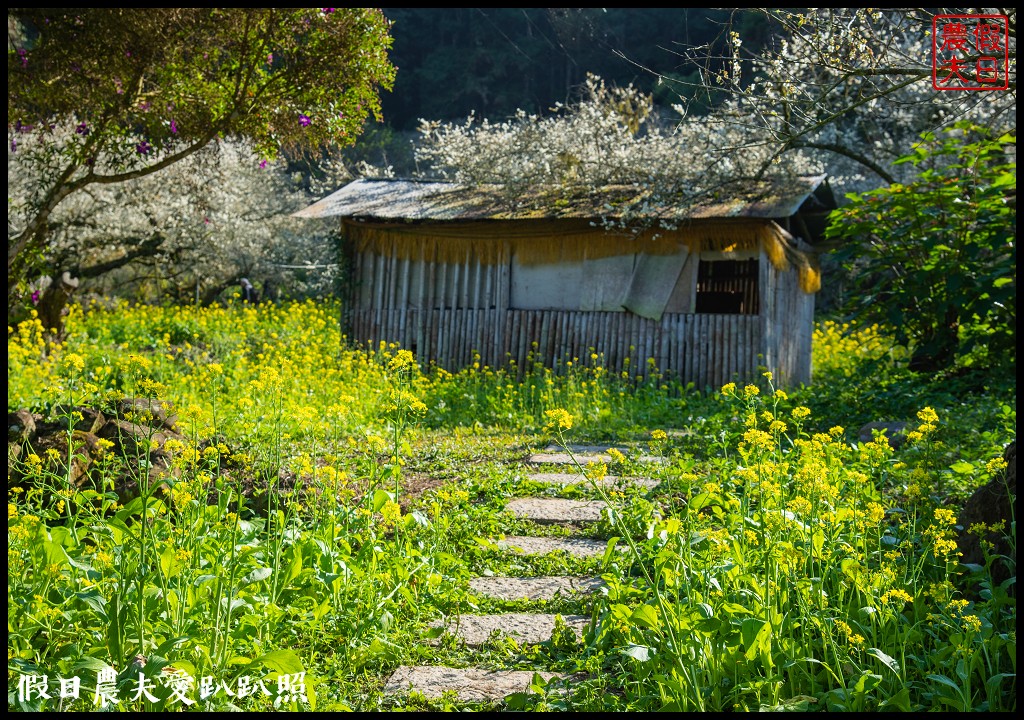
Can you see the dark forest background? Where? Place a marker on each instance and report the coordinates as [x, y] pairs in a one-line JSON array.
[[493, 61]]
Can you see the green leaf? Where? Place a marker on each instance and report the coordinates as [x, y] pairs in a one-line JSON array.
[[757, 635], [640, 653], [647, 617], [294, 567], [866, 682], [256, 575], [94, 600], [54, 553], [901, 701], [799, 703], [285, 662], [886, 660], [63, 536], [90, 663], [609, 551], [995, 681], [380, 498], [168, 562], [943, 680]]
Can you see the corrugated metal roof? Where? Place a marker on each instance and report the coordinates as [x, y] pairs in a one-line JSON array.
[[410, 200]]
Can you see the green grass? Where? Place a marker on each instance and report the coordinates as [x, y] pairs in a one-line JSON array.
[[781, 564]]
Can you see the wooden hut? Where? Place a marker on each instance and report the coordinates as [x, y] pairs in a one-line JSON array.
[[450, 273]]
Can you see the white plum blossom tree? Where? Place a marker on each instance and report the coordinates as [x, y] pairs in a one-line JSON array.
[[103, 97], [852, 85], [840, 91], [612, 137], [187, 233]]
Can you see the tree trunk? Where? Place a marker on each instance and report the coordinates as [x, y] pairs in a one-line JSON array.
[[53, 304]]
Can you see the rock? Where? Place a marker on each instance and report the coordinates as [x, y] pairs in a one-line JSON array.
[[556, 510], [524, 628], [991, 504], [91, 420], [132, 440], [85, 450], [608, 481], [578, 547], [147, 411], [533, 588], [895, 432], [468, 684], [21, 426]]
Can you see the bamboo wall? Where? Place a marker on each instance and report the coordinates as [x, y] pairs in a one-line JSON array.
[[787, 324], [704, 349], [454, 314]]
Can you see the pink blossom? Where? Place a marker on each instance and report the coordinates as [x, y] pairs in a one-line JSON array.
[[263, 164], [174, 128], [304, 120]]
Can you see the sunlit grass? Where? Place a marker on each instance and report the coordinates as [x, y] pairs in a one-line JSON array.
[[781, 564]]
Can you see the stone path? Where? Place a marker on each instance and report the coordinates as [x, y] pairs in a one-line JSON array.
[[548, 511], [581, 547], [535, 588], [608, 481], [474, 631], [561, 458], [469, 684], [524, 628]]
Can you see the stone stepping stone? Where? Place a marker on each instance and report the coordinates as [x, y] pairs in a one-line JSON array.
[[469, 684], [533, 588], [562, 458], [585, 449], [608, 481], [528, 545], [557, 510], [524, 628]]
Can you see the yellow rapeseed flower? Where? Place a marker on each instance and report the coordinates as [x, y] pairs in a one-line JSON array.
[[390, 514], [945, 516], [559, 418], [896, 595], [73, 362], [928, 416]]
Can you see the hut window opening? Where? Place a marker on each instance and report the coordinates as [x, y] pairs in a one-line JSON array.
[[727, 287]]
